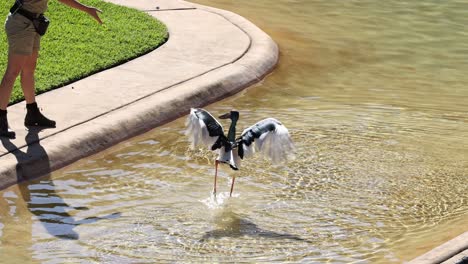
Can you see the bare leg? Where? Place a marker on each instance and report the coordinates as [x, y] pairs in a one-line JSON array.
[[232, 185], [15, 65], [27, 77], [33, 116], [216, 175]]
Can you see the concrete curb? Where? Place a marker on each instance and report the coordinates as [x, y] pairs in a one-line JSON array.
[[449, 252], [144, 114]]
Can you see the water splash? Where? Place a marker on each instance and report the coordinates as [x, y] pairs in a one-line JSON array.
[[219, 201]]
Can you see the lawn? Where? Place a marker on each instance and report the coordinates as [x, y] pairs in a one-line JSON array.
[[76, 46]]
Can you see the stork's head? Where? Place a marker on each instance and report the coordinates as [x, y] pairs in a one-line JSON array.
[[233, 115]]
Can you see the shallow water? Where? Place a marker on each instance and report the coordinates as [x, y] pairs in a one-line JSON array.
[[374, 95]]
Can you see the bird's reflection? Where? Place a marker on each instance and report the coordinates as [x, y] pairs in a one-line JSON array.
[[41, 195], [230, 224]]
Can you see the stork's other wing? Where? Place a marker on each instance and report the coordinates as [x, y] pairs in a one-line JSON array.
[[269, 137], [203, 128]]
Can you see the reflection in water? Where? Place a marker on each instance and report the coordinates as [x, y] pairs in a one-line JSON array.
[[52, 211], [39, 197]]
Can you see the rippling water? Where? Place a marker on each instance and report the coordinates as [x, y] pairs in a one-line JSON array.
[[374, 95]]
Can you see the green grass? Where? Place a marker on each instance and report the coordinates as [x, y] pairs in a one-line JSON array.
[[76, 46]]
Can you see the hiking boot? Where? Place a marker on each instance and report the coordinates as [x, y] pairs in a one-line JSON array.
[[5, 130], [34, 117]]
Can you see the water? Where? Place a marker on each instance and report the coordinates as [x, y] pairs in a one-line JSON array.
[[374, 95]]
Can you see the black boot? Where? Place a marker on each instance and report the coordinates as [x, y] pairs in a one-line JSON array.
[[35, 118], [5, 130]]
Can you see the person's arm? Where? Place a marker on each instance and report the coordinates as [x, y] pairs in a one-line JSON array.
[[92, 11]]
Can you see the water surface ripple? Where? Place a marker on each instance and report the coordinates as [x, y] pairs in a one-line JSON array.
[[374, 95]]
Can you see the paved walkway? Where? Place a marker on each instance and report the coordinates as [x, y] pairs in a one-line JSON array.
[[210, 54]]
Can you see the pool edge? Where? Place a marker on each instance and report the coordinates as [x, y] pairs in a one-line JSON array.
[[108, 129]]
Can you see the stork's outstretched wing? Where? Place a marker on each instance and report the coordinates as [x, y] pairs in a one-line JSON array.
[[269, 137], [203, 128]]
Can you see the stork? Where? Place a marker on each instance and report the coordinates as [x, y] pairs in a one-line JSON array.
[[267, 136]]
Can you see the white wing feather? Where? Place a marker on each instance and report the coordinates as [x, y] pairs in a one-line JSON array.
[[276, 145], [197, 131]]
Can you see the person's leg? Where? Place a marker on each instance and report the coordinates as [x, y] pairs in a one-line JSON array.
[[27, 77], [14, 67]]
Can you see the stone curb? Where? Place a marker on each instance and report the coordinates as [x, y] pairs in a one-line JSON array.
[[85, 139], [448, 252]]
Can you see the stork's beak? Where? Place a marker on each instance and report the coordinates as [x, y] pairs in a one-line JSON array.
[[225, 116]]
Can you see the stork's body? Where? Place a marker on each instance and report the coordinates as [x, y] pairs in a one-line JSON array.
[[269, 135]]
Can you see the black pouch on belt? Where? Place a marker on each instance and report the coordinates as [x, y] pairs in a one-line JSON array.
[[41, 23]]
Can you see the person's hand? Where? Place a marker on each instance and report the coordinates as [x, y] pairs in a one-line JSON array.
[[92, 11]]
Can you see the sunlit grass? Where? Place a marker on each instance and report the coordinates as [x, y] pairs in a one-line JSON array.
[[76, 46]]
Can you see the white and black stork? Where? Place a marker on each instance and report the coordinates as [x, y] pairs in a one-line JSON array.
[[268, 137]]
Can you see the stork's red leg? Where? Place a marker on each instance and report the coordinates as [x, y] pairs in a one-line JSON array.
[[216, 175], [232, 185]]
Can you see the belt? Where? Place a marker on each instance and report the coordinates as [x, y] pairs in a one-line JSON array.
[[25, 13]]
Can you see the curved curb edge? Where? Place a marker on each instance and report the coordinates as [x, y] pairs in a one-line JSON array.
[[169, 104], [444, 252]]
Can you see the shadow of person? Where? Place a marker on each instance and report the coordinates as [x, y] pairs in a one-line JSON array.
[[230, 224], [40, 195]]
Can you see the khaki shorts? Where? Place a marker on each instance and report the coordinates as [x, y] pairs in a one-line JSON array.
[[22, 36]]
